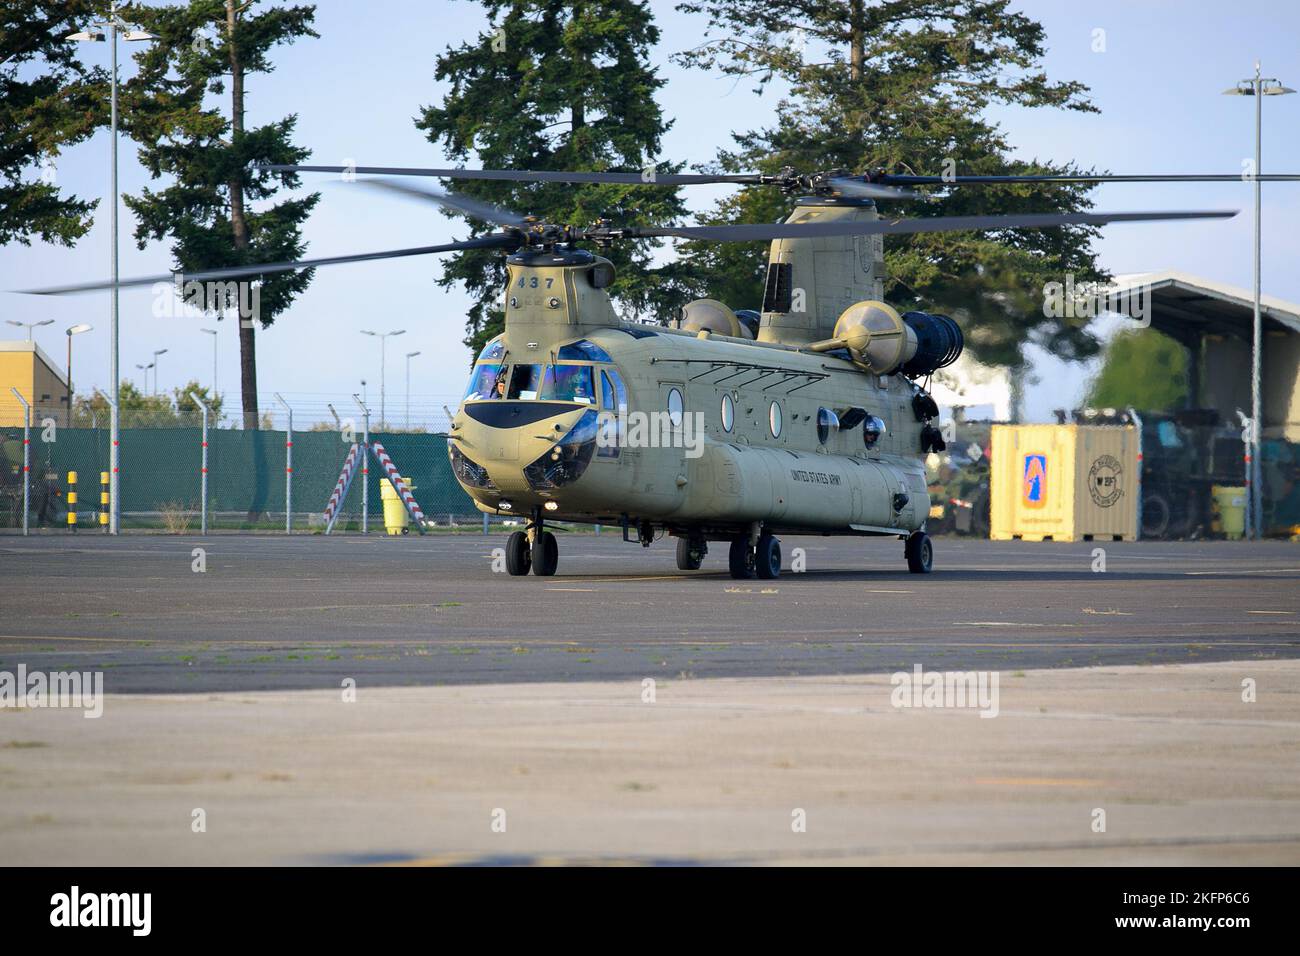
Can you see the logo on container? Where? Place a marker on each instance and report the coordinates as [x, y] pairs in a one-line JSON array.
[[1034, 488]]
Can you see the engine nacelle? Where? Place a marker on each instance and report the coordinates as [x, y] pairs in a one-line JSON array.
[[882, 341]]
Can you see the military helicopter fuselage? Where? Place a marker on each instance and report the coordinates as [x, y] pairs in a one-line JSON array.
[[574, 414]]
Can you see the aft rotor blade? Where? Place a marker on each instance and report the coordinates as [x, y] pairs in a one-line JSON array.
[[648, 177], [473, 207], [890, 179], [241, 272], [757, 232]]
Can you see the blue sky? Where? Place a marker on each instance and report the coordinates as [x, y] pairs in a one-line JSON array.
[[357, 89]]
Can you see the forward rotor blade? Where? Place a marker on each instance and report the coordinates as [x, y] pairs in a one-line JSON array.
[[648, 178], [472, 207], [241, 272], [756, 232], [893, 180]]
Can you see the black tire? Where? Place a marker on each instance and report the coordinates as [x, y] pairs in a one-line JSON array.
[[1155, 515], [919, 552], [518, 556], [740, 560], [690, 554], [767, 559], [547, 558]]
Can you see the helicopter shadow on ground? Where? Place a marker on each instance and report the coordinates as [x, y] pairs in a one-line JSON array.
[[940, 575]]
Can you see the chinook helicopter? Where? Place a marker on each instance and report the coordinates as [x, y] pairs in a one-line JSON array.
[[805, 416]]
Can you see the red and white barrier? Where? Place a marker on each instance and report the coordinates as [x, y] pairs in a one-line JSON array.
[[341, 488], [407, 498]]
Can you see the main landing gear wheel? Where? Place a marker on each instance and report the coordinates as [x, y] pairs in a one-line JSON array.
[[547, 556], [690, 553], [919, 553], [518, 555], [767, 559], [740, 559]]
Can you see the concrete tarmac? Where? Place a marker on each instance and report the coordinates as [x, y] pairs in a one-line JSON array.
[[625, 711], [1110, 766], [303, 612]]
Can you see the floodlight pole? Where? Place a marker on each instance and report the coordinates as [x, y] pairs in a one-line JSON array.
[[112, 26], [1258, 87], [204, 484], [27, 456], [114, 420]]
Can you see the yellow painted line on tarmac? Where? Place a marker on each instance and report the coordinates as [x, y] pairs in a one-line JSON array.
[[1270, 612]]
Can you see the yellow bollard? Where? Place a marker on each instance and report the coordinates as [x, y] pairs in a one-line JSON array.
[[103, 500], [396, 517], [72, 501]]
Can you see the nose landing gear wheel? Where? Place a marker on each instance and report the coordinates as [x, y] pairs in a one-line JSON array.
[[740, 559], [919, 553], [767, 560], [547, 557], [690, 554], [518, 555]]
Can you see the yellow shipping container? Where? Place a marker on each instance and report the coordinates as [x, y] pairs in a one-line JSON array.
[[1064, 483]]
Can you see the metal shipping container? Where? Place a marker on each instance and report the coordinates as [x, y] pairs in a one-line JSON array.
[[1064, 483]]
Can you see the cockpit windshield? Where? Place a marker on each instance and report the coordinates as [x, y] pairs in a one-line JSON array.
[[483, 381], [552, 383], [568, 383]]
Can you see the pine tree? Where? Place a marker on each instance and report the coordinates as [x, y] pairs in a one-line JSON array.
[[42, 114], [213, 210], [903, 86], [557, 85]]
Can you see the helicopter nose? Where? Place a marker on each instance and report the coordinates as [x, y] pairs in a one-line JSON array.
[[496, 449]]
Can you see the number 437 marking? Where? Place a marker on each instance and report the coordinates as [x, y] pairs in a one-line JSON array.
[[532, 282]]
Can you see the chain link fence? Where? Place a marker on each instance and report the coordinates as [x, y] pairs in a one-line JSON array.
[[248, 479]]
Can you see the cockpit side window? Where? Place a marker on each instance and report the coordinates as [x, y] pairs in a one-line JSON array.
[[493, 350], [524, 382]]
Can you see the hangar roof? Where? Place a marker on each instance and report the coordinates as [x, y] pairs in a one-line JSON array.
[[1186, 306]]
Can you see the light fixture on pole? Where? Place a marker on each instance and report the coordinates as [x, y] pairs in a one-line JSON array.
[[1258, 87], [156, 353], [96, 33], [212, 395], [145, 369], [30, 325], [382, 336], [71, 331], [409, 356]]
